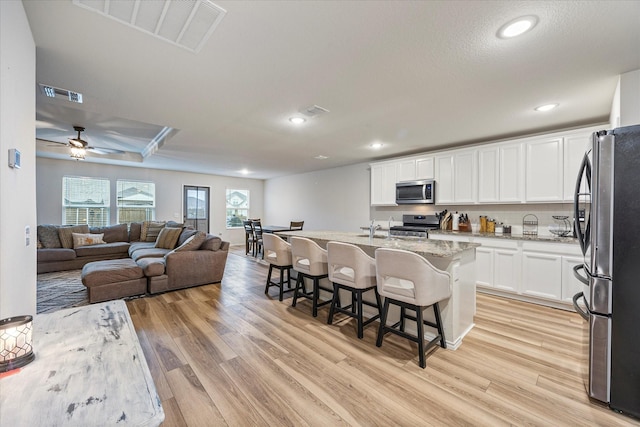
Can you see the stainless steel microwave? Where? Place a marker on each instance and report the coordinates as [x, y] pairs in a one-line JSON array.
[[416, 192]]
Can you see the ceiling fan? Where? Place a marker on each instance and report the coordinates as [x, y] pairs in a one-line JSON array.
[[79, 146]]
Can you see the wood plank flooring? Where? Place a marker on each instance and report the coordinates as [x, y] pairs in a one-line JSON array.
[[227, 354]]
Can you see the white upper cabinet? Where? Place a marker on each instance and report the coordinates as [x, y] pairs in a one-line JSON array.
[[575, 146], [444, 179], [488, 174], [383, 183], [425, 168], [465, 167], [544, 170], [406, 170], [511, 173]]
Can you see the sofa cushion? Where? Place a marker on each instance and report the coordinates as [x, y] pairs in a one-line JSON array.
[[186, 233], [134, 246], [149, 253], [48, 236], [211, 243], [112, 271], [174, 224], [135, 228], [112, 233], [103, 249], [55, 254], [150, 230], [151, 266], [193, 243], [87, 239], [168, 238], [66, 234]]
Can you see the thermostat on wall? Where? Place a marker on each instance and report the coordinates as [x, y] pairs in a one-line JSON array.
[[14, 158]]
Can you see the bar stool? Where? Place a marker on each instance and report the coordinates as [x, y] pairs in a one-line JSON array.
[[248, 237], [409, 281], [278, 255], [351, 269], [310, 262]]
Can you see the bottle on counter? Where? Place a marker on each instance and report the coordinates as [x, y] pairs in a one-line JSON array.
[[483, 223]]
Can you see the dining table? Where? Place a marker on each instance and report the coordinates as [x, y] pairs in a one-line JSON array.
[[275, 228]]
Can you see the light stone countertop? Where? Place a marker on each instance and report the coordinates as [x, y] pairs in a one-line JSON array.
[[424, 247], [537, 238]]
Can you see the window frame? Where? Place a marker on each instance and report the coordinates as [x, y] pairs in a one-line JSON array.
[[229, 207], [104, 207], [150, 214]]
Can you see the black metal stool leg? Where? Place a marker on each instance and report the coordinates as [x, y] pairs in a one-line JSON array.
[[359, 313], [383, 322], [420, 327], [436, 311], [266, 288], [334, 301], [298, 286]]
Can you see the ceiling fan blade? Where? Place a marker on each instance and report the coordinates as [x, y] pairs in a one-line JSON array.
[[57, 143], [101, 150]]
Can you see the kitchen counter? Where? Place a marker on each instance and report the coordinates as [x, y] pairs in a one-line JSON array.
[[457, 258], [511, 236], [425, 247]]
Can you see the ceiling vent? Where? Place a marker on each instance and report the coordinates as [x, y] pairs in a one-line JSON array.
[[56, 92], [185, 23], [313, 111]]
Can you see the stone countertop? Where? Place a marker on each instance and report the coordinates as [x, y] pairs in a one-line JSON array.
[[424, 247], [510, 236]]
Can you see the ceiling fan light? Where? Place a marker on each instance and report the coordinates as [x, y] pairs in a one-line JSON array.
[[78, 153], [77, 143]]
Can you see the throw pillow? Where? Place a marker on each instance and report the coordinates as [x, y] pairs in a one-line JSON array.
[[192, 243], [112, 233], [66, 234], [168, 237], [150, 231], [80, 239], [186, 233], [48, 236]]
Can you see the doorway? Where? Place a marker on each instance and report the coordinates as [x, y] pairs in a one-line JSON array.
[[196, 207]]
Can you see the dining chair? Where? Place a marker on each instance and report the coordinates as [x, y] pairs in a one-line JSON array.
[[277, 252], [410, 281], [257, 236], [351, 269], [310, 262], [296, 225], [249, 240]]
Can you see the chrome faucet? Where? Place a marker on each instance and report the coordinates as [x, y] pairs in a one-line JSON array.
[[372, 229]]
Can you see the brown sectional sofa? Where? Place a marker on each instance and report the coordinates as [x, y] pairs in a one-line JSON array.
[[196, 261]]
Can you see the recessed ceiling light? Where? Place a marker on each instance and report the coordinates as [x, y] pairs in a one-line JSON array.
[[297, 120], [244, 171], [376, 145], [517, 27], [321, 157], [546, 107]]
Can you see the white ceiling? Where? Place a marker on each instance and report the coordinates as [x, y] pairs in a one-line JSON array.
[[415, 75]]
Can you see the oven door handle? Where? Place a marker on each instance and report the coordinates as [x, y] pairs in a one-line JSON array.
[[579, 276], [579, 309]]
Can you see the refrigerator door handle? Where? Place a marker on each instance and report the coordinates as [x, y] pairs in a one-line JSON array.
[[579, 276], [583, 237], [579, 309]]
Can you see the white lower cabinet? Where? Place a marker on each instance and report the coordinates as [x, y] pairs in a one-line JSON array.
[[570, 285], [529, 270], [542, 275]]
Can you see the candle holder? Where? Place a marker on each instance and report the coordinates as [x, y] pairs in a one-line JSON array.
[[16, 349]]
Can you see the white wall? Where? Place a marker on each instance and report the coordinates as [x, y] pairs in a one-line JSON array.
[[630, 98], [330, 199], [169, 190], [17, 186]]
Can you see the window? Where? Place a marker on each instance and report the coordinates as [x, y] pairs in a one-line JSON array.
[[136, 201], [237, 207], [85, 201]]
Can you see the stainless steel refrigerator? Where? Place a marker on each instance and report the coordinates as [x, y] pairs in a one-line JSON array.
[[608, 190]]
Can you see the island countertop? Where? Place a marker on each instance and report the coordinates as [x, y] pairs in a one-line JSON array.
[[424, 247]]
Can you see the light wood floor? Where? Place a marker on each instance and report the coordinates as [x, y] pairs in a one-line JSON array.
[[226, 354]]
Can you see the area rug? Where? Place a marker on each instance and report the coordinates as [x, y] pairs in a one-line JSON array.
[[61, 289]]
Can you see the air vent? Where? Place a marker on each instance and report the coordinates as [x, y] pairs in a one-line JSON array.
[[55, 92], [313, 111], [184, 23]]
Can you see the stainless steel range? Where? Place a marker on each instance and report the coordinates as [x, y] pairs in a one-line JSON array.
[[417, 226]]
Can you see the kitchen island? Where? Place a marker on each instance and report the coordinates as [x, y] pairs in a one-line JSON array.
[[457, 258]]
